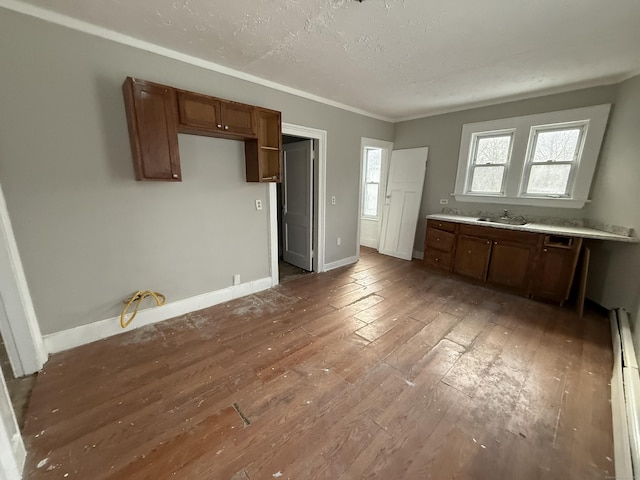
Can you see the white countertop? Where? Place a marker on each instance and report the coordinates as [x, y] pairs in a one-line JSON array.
[[583, 232]]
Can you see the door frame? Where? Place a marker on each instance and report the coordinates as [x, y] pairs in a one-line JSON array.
[[18, 322], [22, 338], [387, 148], [319, 196]]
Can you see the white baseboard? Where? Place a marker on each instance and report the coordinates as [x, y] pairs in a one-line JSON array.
[[74, 337], [340, 263], [419, 254]]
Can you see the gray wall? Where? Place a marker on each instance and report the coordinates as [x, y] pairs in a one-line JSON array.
[[615, 269], [614, 279], [87, 232], [441, 133]]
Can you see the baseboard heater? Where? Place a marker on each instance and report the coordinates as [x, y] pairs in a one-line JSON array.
[[625, 398]]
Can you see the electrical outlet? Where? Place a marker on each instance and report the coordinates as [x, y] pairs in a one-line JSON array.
[[339, 241], [236, 279], [258, 204], [333, 200], [444, 201]]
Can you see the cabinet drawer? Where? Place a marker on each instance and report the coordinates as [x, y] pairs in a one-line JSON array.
[[441, 225], [439, 239], [436, 259]]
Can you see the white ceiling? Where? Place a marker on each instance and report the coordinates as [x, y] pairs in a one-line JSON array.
[[393, 58]]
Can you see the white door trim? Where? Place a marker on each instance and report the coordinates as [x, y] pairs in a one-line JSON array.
[[18, 322], [12, 450], [386, 147], [320, 195]]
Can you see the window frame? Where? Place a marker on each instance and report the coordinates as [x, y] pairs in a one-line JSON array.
[[365, 150], [595, 120], [583, 126], [473, 151]]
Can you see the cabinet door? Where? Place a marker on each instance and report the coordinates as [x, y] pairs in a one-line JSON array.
[[510, 265], [554, 273], [472, 256], [263, 156], [237, 118], [152, 119], [199, 112], [439, 239]]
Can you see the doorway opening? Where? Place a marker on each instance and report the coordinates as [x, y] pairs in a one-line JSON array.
[[374, 167], [296, 200], [317, 186]]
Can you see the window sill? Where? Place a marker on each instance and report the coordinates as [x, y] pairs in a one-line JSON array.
[[528, 201]]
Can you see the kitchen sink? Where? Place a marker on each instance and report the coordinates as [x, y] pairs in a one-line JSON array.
[[504, 221]]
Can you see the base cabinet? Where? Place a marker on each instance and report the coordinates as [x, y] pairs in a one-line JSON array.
[[472, 257], [527, 263], [510, 265], [555, 271]]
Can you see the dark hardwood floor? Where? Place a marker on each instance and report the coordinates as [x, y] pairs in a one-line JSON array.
[[378, 370]]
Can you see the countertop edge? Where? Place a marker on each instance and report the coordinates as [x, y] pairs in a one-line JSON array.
[[583, 232]]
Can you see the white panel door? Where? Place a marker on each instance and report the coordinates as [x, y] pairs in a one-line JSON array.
[[297, 211], [402, 202]]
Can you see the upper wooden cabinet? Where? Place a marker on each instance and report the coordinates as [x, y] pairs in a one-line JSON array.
[[211, 116], [264, 155], [152, 120], [238, 118], [157, 113], [198, 114]]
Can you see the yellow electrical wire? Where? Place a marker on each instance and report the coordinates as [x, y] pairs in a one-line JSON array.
[[138, 297]]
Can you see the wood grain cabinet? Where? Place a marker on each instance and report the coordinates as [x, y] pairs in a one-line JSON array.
[[438, 245], [527, 263], [157, 113], [510, 265], [205, 115], [153, 134], [264, 154], [472, 256], [555, 270], [199, 114]]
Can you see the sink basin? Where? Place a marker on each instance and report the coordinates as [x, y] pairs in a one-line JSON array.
[[504, 221]]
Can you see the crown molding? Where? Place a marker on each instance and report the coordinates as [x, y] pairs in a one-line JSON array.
[[97, 31]]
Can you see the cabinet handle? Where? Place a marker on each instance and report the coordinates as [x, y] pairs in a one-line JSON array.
[[439, 224], [226, 127], [488, 242], [437, 239], [219, 126], [545, 250], [436, 259], [495, 243], [175, 175]]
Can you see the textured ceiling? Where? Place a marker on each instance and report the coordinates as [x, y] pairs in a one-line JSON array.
[[393, 58]]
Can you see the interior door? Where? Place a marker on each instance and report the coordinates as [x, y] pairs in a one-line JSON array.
[[402, 202], [297, 210]]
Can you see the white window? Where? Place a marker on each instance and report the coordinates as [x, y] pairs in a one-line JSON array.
[[490, 155], [372, 175], [543, 160], [552, 160]]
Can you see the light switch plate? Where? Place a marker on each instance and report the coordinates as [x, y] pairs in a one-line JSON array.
[[258, 204], [333, 200]]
